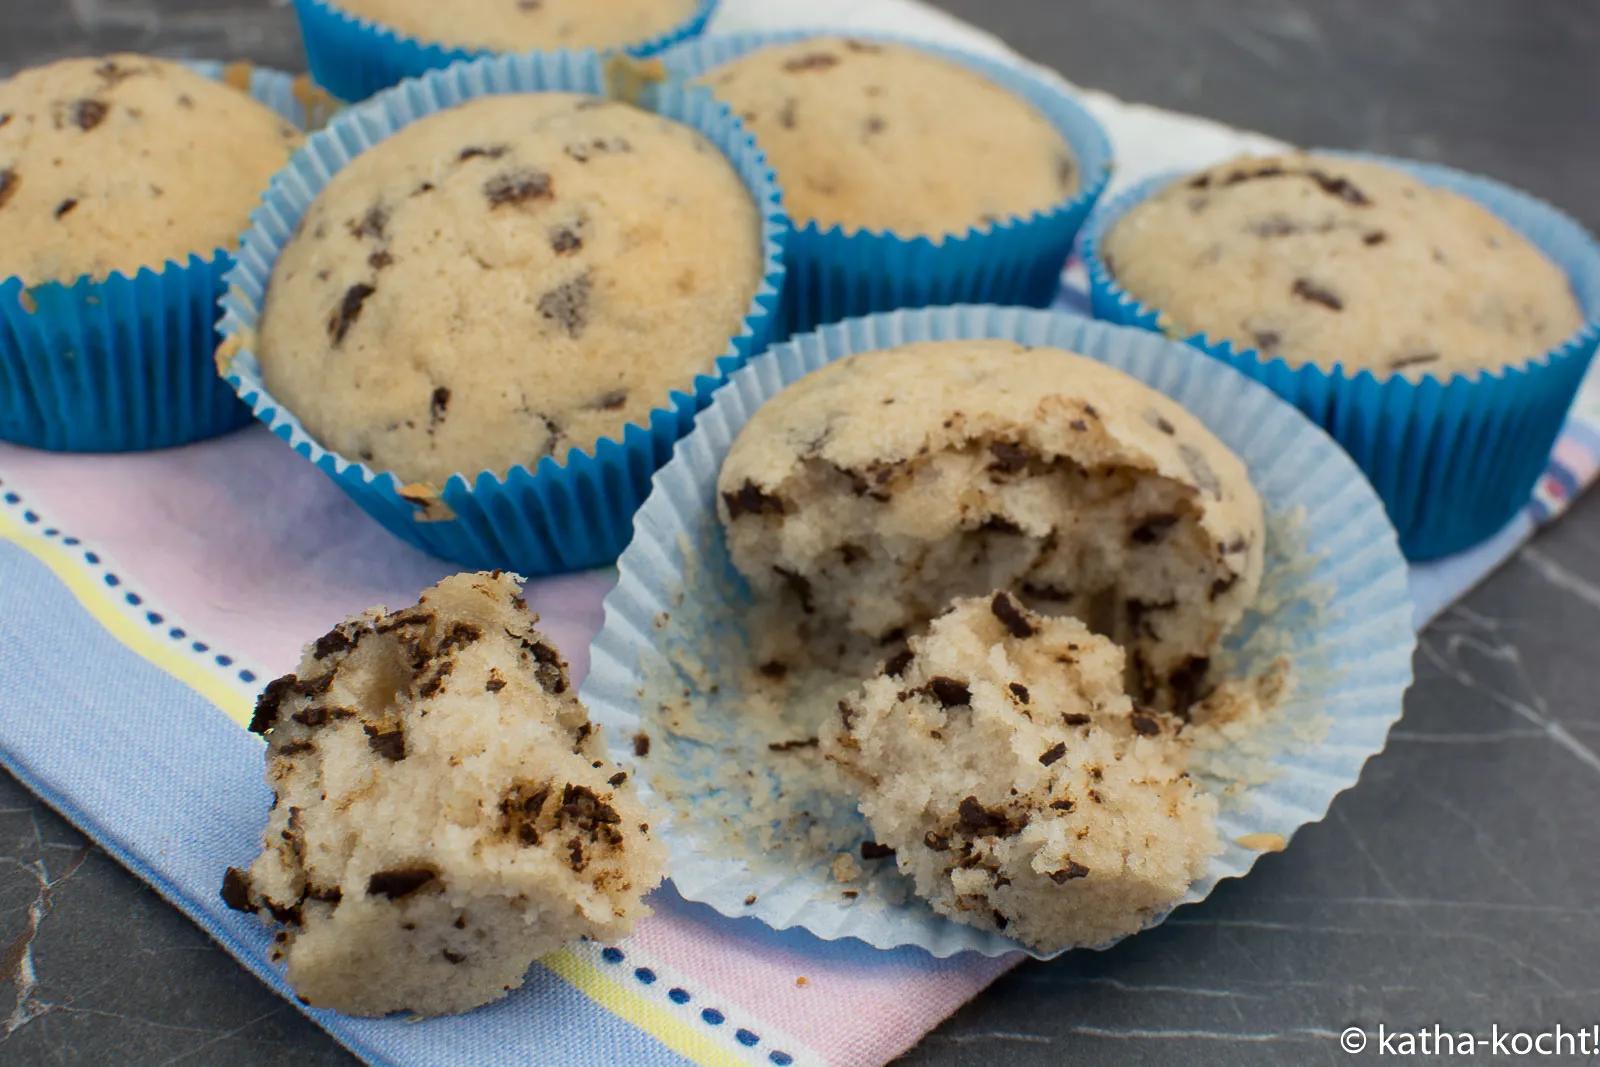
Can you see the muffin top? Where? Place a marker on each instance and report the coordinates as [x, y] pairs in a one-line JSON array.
[[1331, 261], [125, 162], [524, 25], [881, 136], [507, 280]]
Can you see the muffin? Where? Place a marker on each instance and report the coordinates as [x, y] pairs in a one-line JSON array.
[[521, 26], [1328, 261], [874, 491], [514, 278], [1017, 785], [875, 135], [123, 162], [444, 812]]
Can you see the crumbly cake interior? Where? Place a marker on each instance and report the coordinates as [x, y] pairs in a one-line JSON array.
[[1069, 483], [1018, 785], [444, 812]]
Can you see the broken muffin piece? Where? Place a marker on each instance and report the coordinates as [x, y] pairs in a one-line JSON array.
[[877, 489], [1018, 785], [445, 812]]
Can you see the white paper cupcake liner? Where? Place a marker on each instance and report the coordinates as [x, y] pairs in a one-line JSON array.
[[1335, 596]]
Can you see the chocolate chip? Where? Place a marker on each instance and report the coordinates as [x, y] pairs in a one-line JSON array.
[[897, 664], [516, 187], [390, 744], [641, 745], [1045, 591], [1413, 360], [949, 692], [335, 640], [871, 850], [1200, 470], [1145, 725], [1066, 172], [439, 403], [1267, 340], [787, 117], [1222, 585], [370, 225], [267, 704], [1310, 291], [495, 682], [790, 746], [9, 180], [800, 586], [1000, 524], [1376, 237], [1153, 529], [936, 842], [236, 890], [1008, 457], [65, 206], [551, 672], [482, 152], [980, 821], [1075, 719], [1011, 616], [452, 957], [1274, 226], [399, 882], [564, 241], [567, 305], [1187, 680], [616, 780], [1156, 419], [873, 126], [1053, 753], [583, 151], [380, 259], [811, 61], [1342, 188], [750, 499], [87, 114], [865, 47], [1019, 691], [1069, 872], [349, 309]]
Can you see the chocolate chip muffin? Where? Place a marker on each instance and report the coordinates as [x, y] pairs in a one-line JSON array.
[[525, 25], [444, 812], [1019, 787], [875, 490], [1323, 260], [511, 279], [124, 162], [873, 135]]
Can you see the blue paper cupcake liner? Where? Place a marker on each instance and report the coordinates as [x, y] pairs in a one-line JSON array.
[[1334, 600], [556, 517], [353, 57], [123, 363], [1454, 459], [836, 273]]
